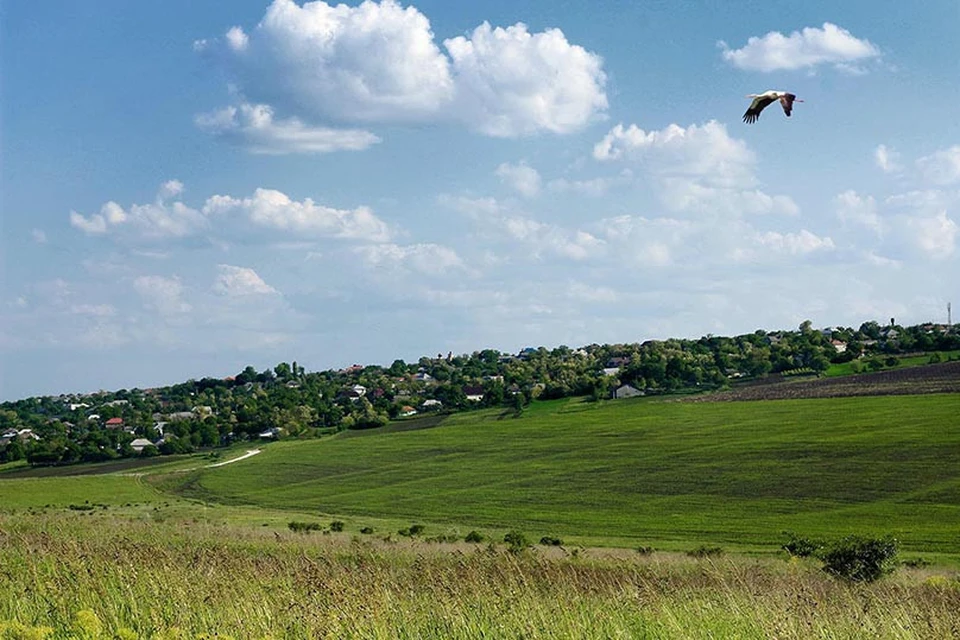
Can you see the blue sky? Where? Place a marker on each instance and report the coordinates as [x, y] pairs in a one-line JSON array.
[[188, 188]]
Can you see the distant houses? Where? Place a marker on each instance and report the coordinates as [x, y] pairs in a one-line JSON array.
[[626, 391]]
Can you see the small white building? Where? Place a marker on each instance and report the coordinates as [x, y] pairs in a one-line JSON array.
[[139, 444], [626, 391]]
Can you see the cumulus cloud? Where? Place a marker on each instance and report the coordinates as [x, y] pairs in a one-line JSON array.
[[379, 62], [697, 168], [240, 282], [428, 259], [511, 82], [935, 236], [887, 159], [706, 151], [794, 243], [156, 221], [254, 127], [522, 178], [271, 209], [856, 209], [163, 295], [803, 49], [223, 216], [941, 167]]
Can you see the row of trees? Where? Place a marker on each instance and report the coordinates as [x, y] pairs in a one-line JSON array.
[[287, 399]]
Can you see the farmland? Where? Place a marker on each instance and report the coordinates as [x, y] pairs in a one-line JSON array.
[[635, 472], [933, 378]]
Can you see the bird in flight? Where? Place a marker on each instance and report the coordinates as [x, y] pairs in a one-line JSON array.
[[761, 100]]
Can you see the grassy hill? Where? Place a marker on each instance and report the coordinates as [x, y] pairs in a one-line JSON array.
[[637, 472]]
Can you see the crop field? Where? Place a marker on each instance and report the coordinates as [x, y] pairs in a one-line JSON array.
[[934, 378], [69, 576], [671, 474]]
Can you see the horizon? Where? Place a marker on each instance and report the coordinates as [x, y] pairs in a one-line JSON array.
[[188, 190]]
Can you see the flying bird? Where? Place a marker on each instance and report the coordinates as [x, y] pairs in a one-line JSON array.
[[761, 100]]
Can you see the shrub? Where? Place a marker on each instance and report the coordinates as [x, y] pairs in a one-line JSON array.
[[799, 546], [705, 552], [303, 527], [336, 525], [860, 559], [474, 536], [549, 541], [644, 550], [516, 542], [366, 530], [412, 531]]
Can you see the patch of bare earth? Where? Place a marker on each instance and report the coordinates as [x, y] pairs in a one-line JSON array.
[[934, 378]]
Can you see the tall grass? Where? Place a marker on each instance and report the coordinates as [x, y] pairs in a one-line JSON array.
[[108, 576]]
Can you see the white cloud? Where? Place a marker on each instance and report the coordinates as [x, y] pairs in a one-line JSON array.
[[429, 259], [254, 127], [39, 236], [706, 151], [589, 187], [156, 221], [275, 210], [854, 208], [163, 295], [942, 167], [648, 242], [688, 194], [379, 62], [887, 159], [802, 49], [935, 236], [800, 243], [236, 282], [510, 82], [520, 177]]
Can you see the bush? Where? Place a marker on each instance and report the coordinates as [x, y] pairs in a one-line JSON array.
[[336, 525], [644, 550], [860, 559], [366, 530], [303, 527], [412, 531], [799, 546], [705, 552], [474, 536], [516, 542], [549, 541]]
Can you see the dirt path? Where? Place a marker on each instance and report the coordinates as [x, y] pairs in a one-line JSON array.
[[251, 452]]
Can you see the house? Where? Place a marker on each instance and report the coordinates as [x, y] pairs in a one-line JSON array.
[[114, 423], [77, 405], [360, 389], [139, 444], [527, 352], [116, 403], [610, 371], [839, 345], [422, 376], [160, 426], [407, 411], [272, 433], [350, 394], [181, 415], [27, 434], [617, 362], [431, 404], [473, 393], [626, 391]]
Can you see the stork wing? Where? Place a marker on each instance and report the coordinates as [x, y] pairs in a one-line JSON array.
[[753, 112], [786, 101]]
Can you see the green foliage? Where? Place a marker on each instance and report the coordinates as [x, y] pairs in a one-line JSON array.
[[336, 526], [303, 527], [860, 559], [800, 546], [366, 530], [474, 536], [550, 541], [704, 551], [412, 531], [645, 550], [516, 541]]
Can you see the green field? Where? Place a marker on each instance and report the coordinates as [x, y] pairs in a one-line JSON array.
[[637, 472]]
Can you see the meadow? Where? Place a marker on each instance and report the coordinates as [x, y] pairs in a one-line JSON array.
[[636, 472], [120, 574], [633, 488]]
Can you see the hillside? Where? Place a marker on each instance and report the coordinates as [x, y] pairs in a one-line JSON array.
[[637, 472]]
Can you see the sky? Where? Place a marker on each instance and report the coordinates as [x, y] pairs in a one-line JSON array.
[[188, 188]]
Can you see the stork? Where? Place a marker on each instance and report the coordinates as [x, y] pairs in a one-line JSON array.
[[761, 100]]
